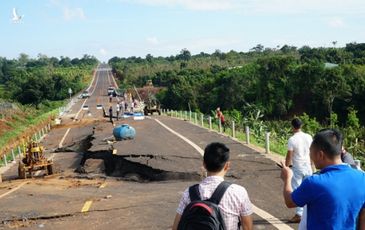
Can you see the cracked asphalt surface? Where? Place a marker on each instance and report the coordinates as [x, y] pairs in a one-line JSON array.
[[132, 195]]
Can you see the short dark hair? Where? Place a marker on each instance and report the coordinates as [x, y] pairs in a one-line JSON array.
[[215, 156], [296, 123], [329, 141]]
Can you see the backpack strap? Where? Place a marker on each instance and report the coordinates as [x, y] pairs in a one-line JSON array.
[[219, 192], [194, 193]]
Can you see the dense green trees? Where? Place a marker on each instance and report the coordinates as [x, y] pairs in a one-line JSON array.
[[33, 81], [264, 84], [282, 82]]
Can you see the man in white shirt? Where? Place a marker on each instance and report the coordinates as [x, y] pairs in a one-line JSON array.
[[235, 205], [298, 157]]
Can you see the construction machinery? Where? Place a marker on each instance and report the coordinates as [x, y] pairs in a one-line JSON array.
[[34, 160], [152, 105]]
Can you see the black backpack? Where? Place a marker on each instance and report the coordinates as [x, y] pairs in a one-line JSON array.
[[203, 214]]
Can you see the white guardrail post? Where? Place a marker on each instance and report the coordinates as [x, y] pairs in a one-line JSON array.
[[210, 123], [5, 160], [220, 125], [233, 130], [19, 153], [247, 135], [12, 155], [267, 142], [202, 119]]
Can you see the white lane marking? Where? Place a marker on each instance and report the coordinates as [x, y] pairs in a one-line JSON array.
[[77, 114], [196, 147], [63, 138], [13, 190], [263, 214], [97, 78], [271, 219], [95, 74]]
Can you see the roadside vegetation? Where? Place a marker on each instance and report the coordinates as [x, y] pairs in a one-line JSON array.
[[263, 88], [32, 90]]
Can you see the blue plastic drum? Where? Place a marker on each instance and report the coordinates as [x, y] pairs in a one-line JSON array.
[[124, 132]]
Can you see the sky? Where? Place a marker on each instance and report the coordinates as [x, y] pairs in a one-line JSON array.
[[124, 28]]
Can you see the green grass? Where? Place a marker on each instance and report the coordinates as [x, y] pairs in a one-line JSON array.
[[20, 125], [276, 146], [2, 87]]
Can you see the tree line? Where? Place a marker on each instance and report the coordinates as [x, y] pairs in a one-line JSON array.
[[43, 79], [325, 84], [281, 82]]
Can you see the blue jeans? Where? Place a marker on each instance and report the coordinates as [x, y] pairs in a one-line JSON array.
[[299, 174]]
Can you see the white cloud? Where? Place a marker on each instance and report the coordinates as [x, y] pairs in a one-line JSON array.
[[152, 40], [103, 52], [73, 13], [336, 22]]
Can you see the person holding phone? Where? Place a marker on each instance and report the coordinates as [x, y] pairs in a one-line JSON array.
[[335, 196]]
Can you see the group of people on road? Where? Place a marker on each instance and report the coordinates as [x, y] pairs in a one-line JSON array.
[[121, 107], [333, 197]]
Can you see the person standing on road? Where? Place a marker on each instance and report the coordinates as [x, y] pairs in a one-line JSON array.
[[220, 117], [298, 156], [235, 204], [111, 114], [118, 110], [335, 197], [125, 106], [347, 158], [122, 108]]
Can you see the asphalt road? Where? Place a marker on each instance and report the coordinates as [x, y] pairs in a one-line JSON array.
[[147, 175]]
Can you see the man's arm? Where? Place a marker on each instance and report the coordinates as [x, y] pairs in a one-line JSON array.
[[362, 220], [246, 222], [176, 221], [286, 176], [288, 158]]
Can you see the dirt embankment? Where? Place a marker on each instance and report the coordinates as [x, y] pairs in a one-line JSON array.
[[16, 119]]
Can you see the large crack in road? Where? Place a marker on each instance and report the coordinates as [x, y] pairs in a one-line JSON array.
[[120, 166]]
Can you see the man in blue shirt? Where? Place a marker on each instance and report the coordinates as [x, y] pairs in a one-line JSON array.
[[335, 197]]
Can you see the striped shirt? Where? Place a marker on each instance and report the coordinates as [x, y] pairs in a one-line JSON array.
[[235, 201]]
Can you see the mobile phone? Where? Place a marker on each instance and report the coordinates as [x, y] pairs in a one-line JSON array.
[[280, 166]]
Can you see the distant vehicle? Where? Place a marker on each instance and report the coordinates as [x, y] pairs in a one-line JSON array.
[[111, 91], [85, 107], [85, 94]]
